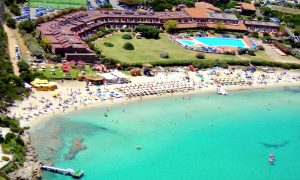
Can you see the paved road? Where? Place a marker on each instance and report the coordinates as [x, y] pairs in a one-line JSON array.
[[12, 41]]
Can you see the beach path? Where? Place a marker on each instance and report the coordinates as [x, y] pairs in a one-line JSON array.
[[12, 41]]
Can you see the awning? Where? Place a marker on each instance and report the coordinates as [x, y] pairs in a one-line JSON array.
[[108, 76]]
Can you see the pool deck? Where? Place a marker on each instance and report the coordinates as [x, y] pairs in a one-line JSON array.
[[247, 41]]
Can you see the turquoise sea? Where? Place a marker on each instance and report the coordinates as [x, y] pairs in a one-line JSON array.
[[193, 137]]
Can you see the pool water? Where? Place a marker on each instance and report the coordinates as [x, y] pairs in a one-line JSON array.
[[187, 42], [222, 42], [214, 42]]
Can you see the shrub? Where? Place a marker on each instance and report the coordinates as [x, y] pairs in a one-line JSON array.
[[107, 6], [108, 44], [96, 36], [1, 140], [23, 66], [126, 36], [164, 55], [126, 30], [148, 32], [260, 47], [28, 26], [229, 53], [170, 25], [259, 18], [8, 2], [265, 34], [200, 55], [128, 46], [255, 34], [251, 52], [14, 8], [5, 158], [242, 51], [11, 22]]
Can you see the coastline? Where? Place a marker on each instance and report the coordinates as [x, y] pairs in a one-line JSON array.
[[207, 90], [173, 117]]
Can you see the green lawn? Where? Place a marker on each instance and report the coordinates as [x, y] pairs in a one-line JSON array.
[[57, 4], [259, 55], [149, 50], [284, 9], [60, 74]]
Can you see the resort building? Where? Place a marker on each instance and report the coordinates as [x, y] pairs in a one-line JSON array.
[[68, 32], [261, 26], [247, 8]]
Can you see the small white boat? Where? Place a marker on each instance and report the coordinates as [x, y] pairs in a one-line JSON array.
[[221, 91]]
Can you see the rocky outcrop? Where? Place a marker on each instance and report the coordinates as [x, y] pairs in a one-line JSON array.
[[31, 168]]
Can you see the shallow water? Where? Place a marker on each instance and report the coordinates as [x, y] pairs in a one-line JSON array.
[[201, 137]]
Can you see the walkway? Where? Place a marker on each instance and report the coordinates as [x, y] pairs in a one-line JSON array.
[[289, 31], [12, 41]]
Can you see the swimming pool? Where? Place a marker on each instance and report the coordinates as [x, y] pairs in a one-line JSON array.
[[187, 42], [215, 41]]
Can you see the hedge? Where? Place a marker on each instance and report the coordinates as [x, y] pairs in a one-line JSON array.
[[95, 36], [206, 63]]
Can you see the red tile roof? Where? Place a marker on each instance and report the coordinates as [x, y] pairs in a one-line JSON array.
[[198, 12], [205, 5], [248, 6]]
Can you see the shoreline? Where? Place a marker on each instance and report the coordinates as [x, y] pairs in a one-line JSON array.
[[38, 121]]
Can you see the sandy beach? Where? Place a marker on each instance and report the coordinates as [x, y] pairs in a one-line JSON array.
[[74, 95]]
